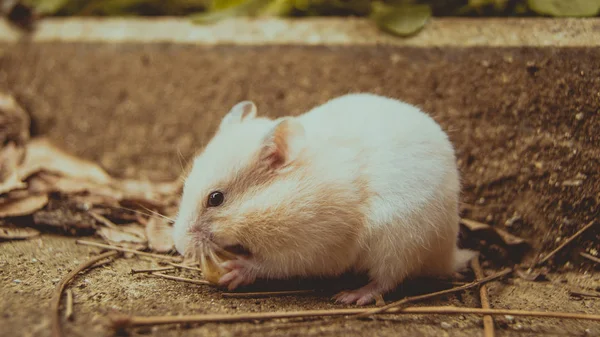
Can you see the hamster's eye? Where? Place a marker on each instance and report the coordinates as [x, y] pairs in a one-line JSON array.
[[215, 199]]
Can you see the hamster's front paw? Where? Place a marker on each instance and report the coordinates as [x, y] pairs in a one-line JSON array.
[[240, 272]]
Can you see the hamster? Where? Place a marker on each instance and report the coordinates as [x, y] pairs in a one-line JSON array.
[[362, 183]]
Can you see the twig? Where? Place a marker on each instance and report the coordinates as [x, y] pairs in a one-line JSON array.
[[590, 257], [99, 264], [488, 322], [267, 293], [182, 279], [138, 271], [55, 301], [120, 321], [184, 266], [566, 242], [69, 305], [121, 249], [103, 220], [583, 294], [407, 300]]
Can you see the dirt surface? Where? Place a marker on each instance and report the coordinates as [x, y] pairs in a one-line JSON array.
[[526, 124]]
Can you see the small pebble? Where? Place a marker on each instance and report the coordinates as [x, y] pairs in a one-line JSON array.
[[446, 325], [518, 326], [55, 280], [579, 116], [34, 260], [588, 331], [17, 281], [509, 318]]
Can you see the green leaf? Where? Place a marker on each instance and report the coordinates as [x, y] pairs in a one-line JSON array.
[[216, 5], [572, 8], [46, 6], [247, 8], [111, 7], [402, 20], [480, 3], [278, 8]]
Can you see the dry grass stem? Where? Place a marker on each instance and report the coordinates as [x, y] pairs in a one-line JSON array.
[[584, 294], [103, 220], [407, 300], [55, 301], [181, 279], [590, 257], [69, 305], [267, 294], [566, 242], [488, 322], [127, 250], [120, 321], [182, 266], [152, 270]]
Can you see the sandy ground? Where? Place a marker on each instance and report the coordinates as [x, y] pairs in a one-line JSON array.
[[525, 122]]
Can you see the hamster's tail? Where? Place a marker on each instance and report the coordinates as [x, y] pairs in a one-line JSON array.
[[462, 258]]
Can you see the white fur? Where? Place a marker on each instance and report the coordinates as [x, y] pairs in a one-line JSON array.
[[397, 154]]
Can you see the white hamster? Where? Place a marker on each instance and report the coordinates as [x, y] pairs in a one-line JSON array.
[[362, 183]]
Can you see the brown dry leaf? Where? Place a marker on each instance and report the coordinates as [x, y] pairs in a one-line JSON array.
[[10, 156], [507, 238], [14, 121], [65, 214], [132, 233], [102, 194], [159, 236], [532, 275], [22, 206], [11, 232], [43, 155]]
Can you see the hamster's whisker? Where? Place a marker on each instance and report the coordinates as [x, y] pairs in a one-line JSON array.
[[181, 160], [158, 214], [152, 215]]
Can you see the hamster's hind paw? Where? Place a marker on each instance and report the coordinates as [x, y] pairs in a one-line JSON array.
[[360, 296], [239, 274]]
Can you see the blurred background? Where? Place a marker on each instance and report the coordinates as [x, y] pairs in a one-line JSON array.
[[400, 17]]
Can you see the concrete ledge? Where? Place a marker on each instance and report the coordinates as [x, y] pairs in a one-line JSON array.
[[493, 32]]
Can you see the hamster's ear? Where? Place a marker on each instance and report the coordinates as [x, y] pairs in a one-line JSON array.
[[283, 144], [240, 112]]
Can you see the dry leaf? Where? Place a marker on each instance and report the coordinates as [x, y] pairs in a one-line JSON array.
[[10, 156], [22, 206], [14, 122], [509, 239], [14, 132], [66, 214], [159, 236], [504, 236], [531, 275], [10, 232], [132, 233], [43, 155], [77, 186]]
